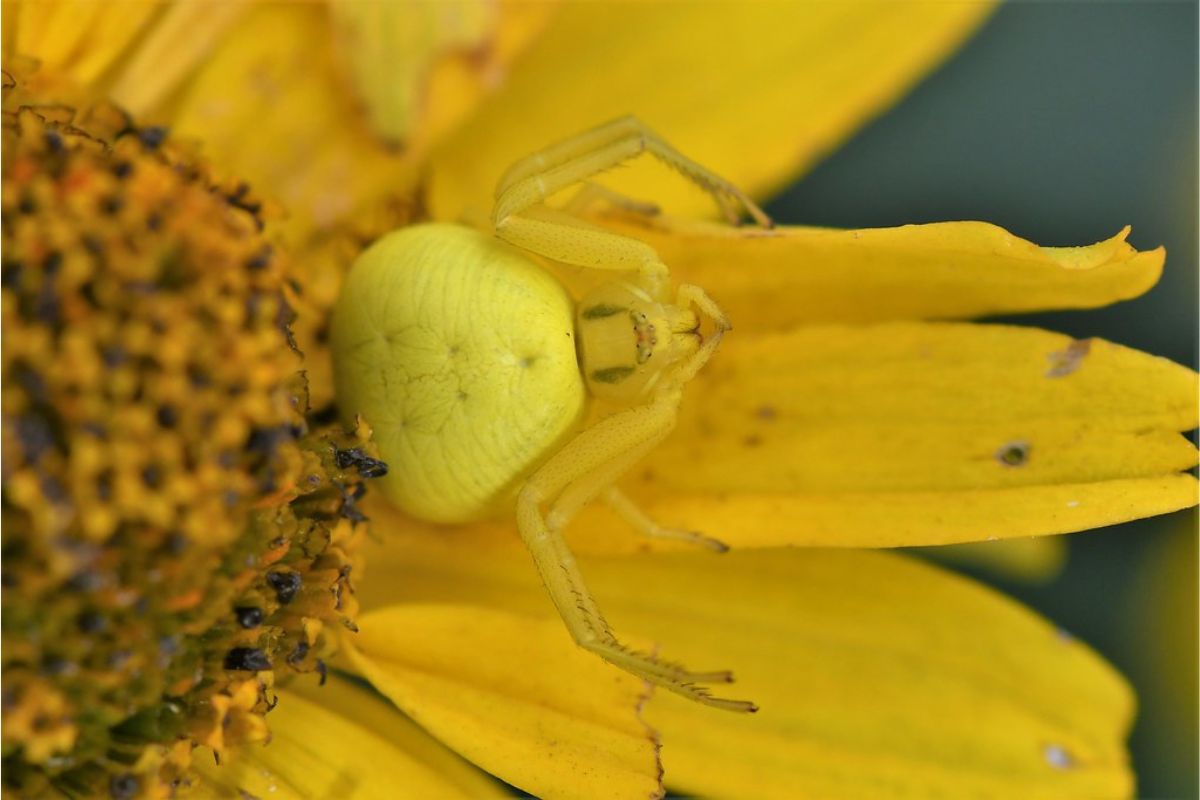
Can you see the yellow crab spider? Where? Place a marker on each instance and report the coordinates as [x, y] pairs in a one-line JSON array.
[[474, 367]]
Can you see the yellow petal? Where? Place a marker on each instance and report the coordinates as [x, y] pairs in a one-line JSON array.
[[181, 38], [922, 433], [927, 405], [82, 38], [514, 695], [343, 741], [901, 519], [876, 676], [457, 86], [392, 47], [787, 276], [755, 91], [421, 67], [270, 106]]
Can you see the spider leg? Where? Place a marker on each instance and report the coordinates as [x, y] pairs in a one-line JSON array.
[[590, 194], [521, 218], [570, 240], [582, 469], [690, 294], [534, 178], [643, 524]]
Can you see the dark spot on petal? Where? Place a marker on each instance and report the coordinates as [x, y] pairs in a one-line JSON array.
[[1013, 454], [1064, 362]]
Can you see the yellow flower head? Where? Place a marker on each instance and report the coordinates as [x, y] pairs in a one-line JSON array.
[[175, 531], [852, 407]]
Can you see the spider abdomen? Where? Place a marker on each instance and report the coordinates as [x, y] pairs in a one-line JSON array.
[[459, 352]]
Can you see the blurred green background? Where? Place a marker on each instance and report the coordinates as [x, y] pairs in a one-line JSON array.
[[1063, 122]]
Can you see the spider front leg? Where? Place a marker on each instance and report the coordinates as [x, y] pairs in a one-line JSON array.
[[581, 470], [567, 239], [521, 218]]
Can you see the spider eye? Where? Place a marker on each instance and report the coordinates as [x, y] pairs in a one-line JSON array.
[[644, 331]]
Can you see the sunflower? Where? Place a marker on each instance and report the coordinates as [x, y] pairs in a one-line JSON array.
[[185, 528]]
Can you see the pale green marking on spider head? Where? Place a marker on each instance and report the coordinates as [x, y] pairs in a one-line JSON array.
[[601, 310], [612, 374], [459, 352]]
